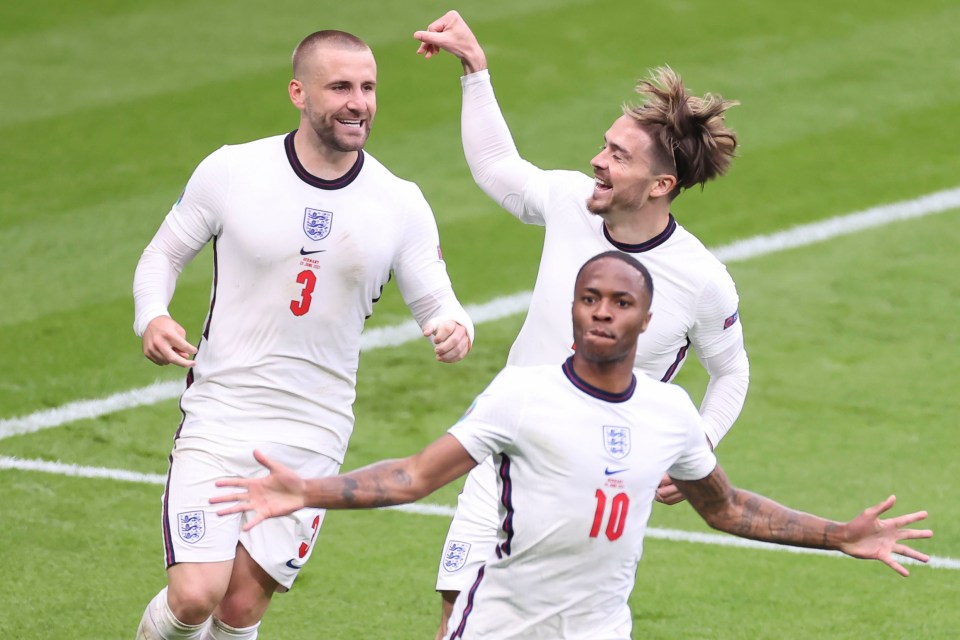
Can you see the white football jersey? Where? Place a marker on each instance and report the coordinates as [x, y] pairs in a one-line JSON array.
[[694, 300], [577, 472], [298, 264]]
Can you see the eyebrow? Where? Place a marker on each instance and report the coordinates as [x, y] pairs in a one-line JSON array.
[[617, 148], [615, 294]]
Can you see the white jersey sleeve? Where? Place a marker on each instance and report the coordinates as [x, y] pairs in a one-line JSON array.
[[697, 460], [492, 421], [492, 155], [191, 223], [717, 339], [420, 270]]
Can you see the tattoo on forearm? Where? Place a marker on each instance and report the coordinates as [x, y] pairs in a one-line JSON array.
[[348, 491], [376, 486], [753, 516]]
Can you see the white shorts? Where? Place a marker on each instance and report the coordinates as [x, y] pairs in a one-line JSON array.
[[472, 536], [192, 530]]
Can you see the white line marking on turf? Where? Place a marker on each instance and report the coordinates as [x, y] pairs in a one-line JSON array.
[[675, 535], [506, 306], [84, 409]]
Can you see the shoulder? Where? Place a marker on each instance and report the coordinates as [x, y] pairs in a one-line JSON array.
[[566, 182], [253, 152], [514, 384], [666, 396], [689, 254], [377, 170], [406, 191]]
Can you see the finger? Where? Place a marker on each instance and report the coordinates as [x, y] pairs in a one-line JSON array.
[[179, 342], [237, 508], [173, 357], [431, 37], [444, 335], [883, 507], [257, 519], [896, 566], [452, 350], [450, 357], [232, 497], [262, 458], [429, 327], [185, 347], [670, 496], [913, 534], [441, 23], [909, 518], [908, 552]]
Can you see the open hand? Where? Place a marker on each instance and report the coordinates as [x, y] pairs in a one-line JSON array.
[[869, 537], [278, 494]]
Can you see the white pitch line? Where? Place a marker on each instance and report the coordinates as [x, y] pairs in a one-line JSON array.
[[675, 535], [506, 306]]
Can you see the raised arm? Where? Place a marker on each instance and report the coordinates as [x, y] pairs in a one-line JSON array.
[[748, 515], [491, 153], [381, 484]]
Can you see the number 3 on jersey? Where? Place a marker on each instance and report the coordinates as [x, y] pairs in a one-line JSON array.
[[618, 515], [309, 280]]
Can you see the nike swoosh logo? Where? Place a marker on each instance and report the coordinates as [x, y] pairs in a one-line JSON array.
[[304, 252], [612, 472], [294, 566]]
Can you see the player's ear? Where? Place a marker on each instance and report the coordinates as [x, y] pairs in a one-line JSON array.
[[295, 90], [664, 185], [646, 322]]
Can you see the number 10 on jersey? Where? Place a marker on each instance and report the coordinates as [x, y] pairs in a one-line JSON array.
[[617, 518]]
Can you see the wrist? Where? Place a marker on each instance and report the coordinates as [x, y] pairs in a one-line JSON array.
[[473, 61]]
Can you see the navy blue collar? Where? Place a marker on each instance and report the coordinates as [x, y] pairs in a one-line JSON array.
[[314, 181], [652, 243], [593, 391]]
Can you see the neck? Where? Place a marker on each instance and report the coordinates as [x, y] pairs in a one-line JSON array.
[[610, 376], [319, 159], [637, 225]]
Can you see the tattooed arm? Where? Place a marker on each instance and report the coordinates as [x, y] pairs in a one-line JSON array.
[[753, 516], [378, 485]]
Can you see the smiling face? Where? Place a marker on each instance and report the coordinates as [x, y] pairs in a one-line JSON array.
[[611, 307], [625, 178], [336, 96]]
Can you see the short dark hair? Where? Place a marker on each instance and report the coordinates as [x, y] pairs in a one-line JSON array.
[[332, 37], [626, 259]]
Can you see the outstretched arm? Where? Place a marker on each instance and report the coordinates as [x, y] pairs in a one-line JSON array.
[[378, 485], [753, 516]]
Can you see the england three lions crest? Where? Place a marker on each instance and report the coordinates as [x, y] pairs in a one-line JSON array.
[[616, 440], [455, 555], [317, 223], [191, 526]]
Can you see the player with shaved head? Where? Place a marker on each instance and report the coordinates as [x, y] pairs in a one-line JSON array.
[[580, 448], [307, 228]]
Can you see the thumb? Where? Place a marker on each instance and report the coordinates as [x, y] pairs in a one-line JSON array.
[[429, 37], [264, 460], [430, 327]]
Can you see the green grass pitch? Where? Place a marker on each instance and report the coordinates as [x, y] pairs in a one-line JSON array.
[[107, 106]]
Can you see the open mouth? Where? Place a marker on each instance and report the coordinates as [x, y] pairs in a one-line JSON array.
[[601, 186], [353, 124]]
